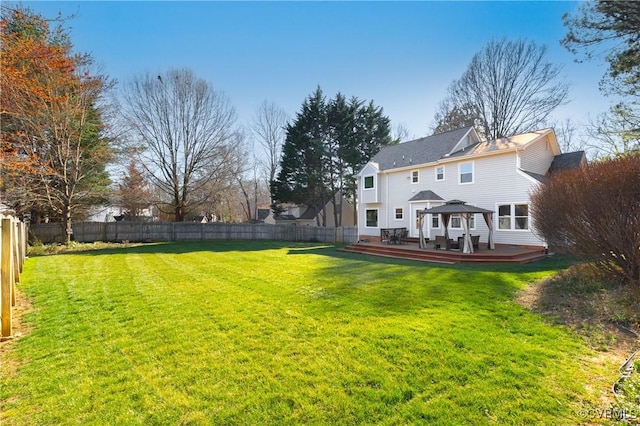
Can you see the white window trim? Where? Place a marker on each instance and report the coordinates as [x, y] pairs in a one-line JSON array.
[[411, 177], [364, 179], [512, 212], [473, 173], [439, 221], [394, 213], [436, 173], [365, 219], [473, 228]]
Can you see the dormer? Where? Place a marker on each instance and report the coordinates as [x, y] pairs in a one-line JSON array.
[[469, 139]]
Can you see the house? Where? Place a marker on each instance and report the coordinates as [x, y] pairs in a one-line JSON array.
[[302, 215], [403, 180], [115, 213]]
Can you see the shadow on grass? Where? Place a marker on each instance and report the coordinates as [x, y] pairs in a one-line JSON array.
[[377, 285], [381, 286], [177, 247]]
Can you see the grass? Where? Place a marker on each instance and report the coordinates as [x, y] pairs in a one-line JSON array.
[[276, 333]]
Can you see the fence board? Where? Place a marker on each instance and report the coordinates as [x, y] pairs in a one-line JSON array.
[[189, 231]]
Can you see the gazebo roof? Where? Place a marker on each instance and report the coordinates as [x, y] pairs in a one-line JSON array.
[[456, 206]]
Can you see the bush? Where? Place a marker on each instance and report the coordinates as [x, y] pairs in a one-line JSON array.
[[594, 212]]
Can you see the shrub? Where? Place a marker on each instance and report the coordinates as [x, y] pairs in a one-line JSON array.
[[594, 212]]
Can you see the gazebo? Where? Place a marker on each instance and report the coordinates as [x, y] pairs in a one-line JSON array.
[[465, 211]]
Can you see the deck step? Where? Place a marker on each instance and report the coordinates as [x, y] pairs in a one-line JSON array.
[[448, 257]]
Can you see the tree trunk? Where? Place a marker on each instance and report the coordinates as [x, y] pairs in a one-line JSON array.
[[66, 224]]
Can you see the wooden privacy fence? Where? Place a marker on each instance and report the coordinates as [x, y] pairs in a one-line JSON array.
[[13, 252], [89, 232]]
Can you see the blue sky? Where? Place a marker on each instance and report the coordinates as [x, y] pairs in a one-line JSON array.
[[401, 55]]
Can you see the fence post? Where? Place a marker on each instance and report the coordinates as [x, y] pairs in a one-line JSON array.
[[16, 257], [6, 278]]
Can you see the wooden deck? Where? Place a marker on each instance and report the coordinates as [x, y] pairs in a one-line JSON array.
[[411, 250]]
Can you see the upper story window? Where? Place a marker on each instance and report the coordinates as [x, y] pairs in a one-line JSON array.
[[369, 182], [440, 173], [415, 176], [466, 172]]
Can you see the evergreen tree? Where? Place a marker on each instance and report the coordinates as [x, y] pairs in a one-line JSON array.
[[325, 147], [301, 179]]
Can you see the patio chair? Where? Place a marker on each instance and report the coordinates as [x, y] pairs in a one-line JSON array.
[[475, 241], [442, 243], [404, 234]]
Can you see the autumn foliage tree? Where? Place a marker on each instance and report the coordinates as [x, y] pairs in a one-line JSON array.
[[595, 213], [53, 150]]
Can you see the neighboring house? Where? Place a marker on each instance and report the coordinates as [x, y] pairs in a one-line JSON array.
[[499, 175], [309, 216], [266, 216], [113, 213]]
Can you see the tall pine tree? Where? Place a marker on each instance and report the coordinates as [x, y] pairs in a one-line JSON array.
[[325, 147]]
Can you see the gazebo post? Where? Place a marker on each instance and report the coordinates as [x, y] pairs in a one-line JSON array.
[[488, 218], [421, 243], [467, 246], [445, 219]]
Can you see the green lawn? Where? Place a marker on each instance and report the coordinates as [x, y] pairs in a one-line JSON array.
[[276, 333]]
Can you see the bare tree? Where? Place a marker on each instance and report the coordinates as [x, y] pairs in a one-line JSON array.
[[614, 134], [452, 117], [185, 128], [512, 87], [268, 128], [399, 133]]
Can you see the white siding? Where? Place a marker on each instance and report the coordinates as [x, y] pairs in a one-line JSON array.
[[537, 157], [496, 180]]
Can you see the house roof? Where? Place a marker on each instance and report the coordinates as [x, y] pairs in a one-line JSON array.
[[570, 160], [502, 144], [263, 213], [427, 195], [309, 214], [419, 151], [536, 176]]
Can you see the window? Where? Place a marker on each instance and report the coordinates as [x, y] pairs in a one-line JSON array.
[[504, 216], [440, 173], [513, 216], [521, 216], [435, 221], [368, 182], [399, 213], [372, 218], [466, 172], [415, 176], [456, 221]]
